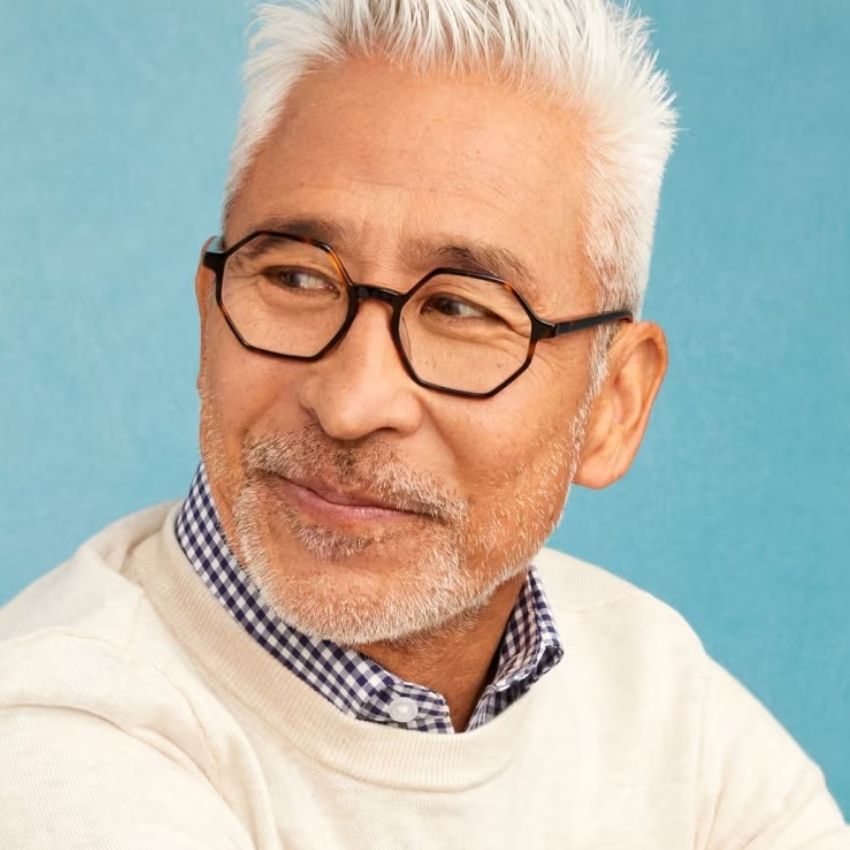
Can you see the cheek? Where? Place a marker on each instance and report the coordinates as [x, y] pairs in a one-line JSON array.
[[509, 470], [517, 489], [241, 392], [516, 454], [499, 456]]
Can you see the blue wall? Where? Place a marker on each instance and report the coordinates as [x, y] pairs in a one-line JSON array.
[[116, 122]]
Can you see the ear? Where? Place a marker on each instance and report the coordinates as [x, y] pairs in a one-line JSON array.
[[637, 362], [204, 282], [204, 294]]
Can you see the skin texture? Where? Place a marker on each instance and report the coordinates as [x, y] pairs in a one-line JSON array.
[[396, 163]]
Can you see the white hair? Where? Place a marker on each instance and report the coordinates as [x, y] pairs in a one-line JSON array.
[[592, 56]]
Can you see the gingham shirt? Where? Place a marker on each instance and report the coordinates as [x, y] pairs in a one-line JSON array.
[[355, 684]]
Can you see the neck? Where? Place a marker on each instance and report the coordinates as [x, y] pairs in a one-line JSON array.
[[457, 660]]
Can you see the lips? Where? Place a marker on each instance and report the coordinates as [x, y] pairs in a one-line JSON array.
[[363, 502], [352, 498], [377, 487]]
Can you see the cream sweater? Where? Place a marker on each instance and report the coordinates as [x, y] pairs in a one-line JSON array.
[[136, 713]]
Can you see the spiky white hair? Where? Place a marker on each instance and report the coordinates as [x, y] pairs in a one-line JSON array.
[[592, 56]]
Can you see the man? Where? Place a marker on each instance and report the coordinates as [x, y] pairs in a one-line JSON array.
[[419, 327]]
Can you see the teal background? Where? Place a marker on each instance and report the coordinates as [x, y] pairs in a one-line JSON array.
[[117, 118]]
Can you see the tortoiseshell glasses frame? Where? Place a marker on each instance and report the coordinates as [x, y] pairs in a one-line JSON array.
[[216, 257]]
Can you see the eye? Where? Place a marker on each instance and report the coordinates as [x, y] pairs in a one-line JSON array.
[[299, 279], [457, 308]]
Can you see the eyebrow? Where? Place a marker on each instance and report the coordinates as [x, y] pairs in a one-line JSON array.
[[333, 233], [475, 256], [450, 250]]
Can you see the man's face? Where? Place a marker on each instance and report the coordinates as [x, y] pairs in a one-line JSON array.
[[369, 508]]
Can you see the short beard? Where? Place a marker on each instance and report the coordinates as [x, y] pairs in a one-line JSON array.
[[417, 598], [455, 574]]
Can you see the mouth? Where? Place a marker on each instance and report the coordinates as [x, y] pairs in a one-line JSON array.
[[353, 498], [332, 505]]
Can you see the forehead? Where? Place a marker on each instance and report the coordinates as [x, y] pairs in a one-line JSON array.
[[398, 168]]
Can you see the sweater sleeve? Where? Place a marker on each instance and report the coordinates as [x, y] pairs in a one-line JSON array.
[[72, 780], [765, 793]]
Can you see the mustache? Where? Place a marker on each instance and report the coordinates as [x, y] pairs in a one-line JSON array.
[[374, 469]]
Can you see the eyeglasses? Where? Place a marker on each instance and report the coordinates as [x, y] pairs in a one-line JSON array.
[[464, 333]]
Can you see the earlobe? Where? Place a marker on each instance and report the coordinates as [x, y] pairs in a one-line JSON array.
[[620, 413]]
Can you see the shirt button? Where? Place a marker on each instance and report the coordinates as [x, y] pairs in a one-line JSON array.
[[403, 710]]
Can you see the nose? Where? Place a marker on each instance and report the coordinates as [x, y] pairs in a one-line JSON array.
[[361, 387]]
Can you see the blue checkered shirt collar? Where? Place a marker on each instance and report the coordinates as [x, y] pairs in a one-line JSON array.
[[356, 685]]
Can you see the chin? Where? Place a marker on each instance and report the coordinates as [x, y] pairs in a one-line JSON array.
[[356, 590]]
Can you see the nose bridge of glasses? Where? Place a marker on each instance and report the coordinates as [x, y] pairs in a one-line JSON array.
[[364, 292]]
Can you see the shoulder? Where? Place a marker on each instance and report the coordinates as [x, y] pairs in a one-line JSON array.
[[88, 593], [85, 644], [577, 586], [609, 616], [634, 674], [85, 634]]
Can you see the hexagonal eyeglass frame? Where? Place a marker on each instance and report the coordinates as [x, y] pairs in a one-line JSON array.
[[216, 256]]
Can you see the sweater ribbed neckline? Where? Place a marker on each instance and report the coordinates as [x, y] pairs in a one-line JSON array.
[[291, 712]]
